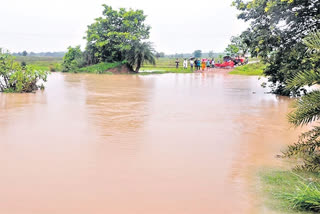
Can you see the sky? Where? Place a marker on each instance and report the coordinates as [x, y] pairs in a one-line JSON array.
[[178, 26]]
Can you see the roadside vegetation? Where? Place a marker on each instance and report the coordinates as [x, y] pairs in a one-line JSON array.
[[253, 69]]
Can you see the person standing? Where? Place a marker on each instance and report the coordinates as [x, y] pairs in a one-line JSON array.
[[177, 63], [208, 64], [212, 63], [191, 64], [185, 64], [203, 65], [198, 64]]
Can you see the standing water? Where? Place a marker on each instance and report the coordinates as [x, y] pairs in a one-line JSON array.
[[127, 144]]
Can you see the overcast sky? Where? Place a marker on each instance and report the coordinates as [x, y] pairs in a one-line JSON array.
[[178, 26]]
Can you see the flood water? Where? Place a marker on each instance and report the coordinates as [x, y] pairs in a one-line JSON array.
[[126, 144]]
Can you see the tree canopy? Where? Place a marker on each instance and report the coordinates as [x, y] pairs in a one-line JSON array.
[[307, 109], [73, 59], [276, 33], [197, 53], [115, 33]]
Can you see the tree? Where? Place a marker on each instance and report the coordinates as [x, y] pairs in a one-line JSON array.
[[197, 53], [239, 44], [18, 79], [139, 54], [113, 34], [307, 109], [232, 50], [24, 53], [210, 54], [277, 30], [73, 59]]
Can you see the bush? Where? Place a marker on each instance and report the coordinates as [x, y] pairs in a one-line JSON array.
[[306, 197], [15, 78], [73, 59]]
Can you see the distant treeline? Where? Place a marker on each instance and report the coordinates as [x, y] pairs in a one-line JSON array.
[[41, 54]]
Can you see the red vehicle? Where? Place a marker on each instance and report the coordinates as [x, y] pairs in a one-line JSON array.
[[229, 62]]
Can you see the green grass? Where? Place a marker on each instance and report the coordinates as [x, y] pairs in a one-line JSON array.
[[163, 66], [42, 63], [292, 192], [163, 70], [254, 69], [101, 68]]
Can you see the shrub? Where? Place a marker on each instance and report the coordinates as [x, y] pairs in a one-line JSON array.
[[73, 59], [15, 78]]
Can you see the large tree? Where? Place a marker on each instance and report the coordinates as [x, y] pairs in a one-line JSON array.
[[308, 109], [113, 34], [276, 32]]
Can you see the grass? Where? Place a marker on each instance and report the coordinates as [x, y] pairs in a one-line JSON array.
[[292, 192], [254, 69], [42, 63], [101, 68], [163, 66], [163, 70]]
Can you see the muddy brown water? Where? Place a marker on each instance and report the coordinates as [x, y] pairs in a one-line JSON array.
[[126, 144]]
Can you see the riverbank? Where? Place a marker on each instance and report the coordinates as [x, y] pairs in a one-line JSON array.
[[291, 192], [163, 66]]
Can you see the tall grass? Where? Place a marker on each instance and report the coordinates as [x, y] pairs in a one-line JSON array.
[[305, 197], [290, 192]]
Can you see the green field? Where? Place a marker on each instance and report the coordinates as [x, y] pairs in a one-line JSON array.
[[42, 63], [165, 65]]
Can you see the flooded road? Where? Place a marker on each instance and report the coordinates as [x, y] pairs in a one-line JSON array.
[[126, 144]]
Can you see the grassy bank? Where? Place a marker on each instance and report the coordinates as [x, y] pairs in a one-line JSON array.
[[163, 70], [292, 192], [101, 68], [42, 63], [254, 69], [163, 66]]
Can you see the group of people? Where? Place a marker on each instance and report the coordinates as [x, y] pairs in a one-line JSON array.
[[197, 64]]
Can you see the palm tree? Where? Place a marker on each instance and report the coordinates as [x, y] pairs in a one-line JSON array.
[[307, 109], [140, 53]]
